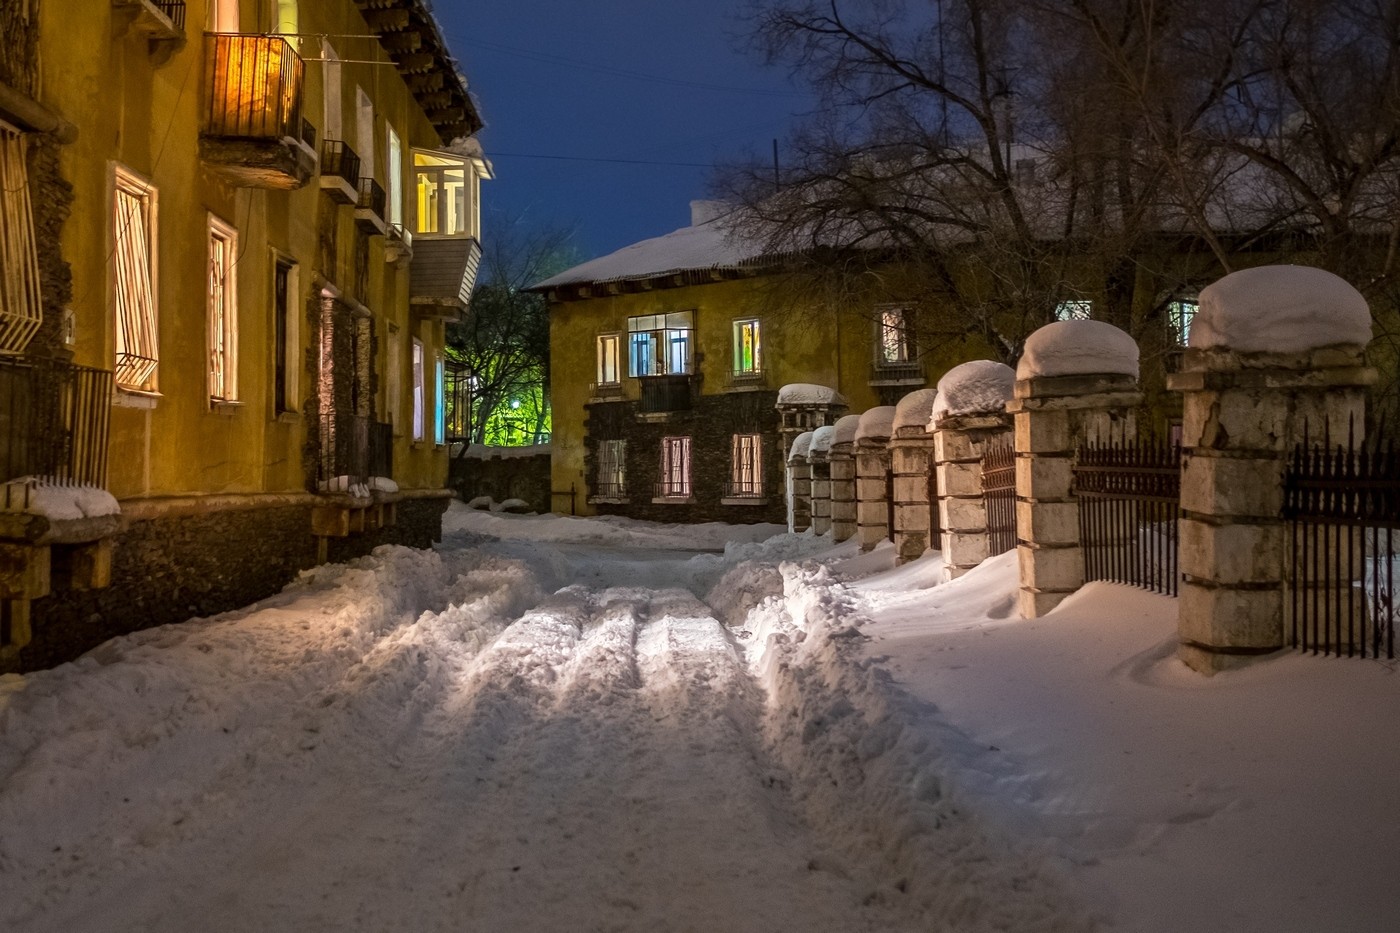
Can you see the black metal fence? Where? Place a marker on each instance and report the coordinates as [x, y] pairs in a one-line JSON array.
[[373, 198], [353, 448], [253, 86], [999, 497], [53, 421], [664, 393], [1129, 502], [1342, 505], [174, 11]]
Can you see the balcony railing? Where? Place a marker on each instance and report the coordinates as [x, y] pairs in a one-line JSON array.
[[743, 489], [253, 86], [673, 489], [381, 449], [340, 171], [613, 490], [174, 11], [664, 393], [353, 448], [371, 206], [53, 421]]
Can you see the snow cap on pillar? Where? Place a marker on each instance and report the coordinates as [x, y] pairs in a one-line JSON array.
[[846, 427], [821, 442], [806, 393], [913, 410], [974, 388], [800, 445], [876, 424], [1280, 309], [1078, 348]]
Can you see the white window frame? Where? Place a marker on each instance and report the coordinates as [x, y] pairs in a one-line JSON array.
[[439, 400], [135, 309], [612, 468], [746, 465], [430, 187], [675, 468], [291, 401], [894, 342], [418, 391], [751, 326], [222, 318], [609, 359], [663, 344], [393, 176], [21, 304]]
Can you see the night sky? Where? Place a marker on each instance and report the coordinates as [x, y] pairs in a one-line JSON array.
[[561, 83]]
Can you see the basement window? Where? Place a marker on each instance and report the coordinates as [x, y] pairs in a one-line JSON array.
[[134, 275], [675, 468]]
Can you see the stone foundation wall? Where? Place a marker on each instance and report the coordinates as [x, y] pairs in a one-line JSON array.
[[503, 478]]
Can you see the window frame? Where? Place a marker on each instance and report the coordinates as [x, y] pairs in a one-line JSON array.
[[894, 336], [746, 466], [675, 474], [221, 318], [661, 335], [439, 399], [417, 363], [613, 359], [286, 336], [135, 330], [1179, 319], [751, 328]]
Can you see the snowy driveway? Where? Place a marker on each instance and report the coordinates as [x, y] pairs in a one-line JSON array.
[[504, 735]]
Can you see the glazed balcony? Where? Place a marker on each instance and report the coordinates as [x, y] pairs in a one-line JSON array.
[[340, 171], [254, 135]]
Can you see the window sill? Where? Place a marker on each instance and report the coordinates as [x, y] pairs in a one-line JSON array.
[[673, 500], [744, 500], [608, 500], [288, 417], [224, 407], [135, 398]]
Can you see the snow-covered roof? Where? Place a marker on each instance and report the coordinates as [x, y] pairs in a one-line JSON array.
[[876, 424], [846, 427], [974, 387], [800, 445], [822, 439], [1280, 309], [805, 393], [1074, 348], [913, 410]]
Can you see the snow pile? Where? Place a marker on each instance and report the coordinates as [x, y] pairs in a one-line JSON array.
[[1075, 348], [805, 393], [37, 495], [1280, 309], [846, 427], [914, 409], [822, 439], [801, 445], [974, 388], [382, 484], [876, 425], [346, 484]]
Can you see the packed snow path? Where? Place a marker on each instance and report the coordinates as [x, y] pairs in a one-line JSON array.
[[454, 741]]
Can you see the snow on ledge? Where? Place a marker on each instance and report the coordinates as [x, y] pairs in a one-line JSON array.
[[914, 409], [876, 424], [805, 393], [1280, 309], [846, 427], [37, 495], [800, 445], [822, 439], [975, 387], [1077, 348], [346, 485]]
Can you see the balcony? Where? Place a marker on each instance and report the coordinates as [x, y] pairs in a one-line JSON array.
[[660, 394], [254, 135], [161, 22], [340, 171], [897, 373], [398, 243], [371, 207]]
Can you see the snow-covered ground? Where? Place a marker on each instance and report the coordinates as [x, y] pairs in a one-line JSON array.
[[578, 725]]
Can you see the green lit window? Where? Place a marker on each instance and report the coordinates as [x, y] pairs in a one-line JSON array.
[[748, 347]]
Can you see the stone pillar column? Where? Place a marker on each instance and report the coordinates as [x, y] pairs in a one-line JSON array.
[[842, 461], [800, 483], [911, 458], [1275, 352], [819, 464], [958, 444], [1066, 392], [872, 454]]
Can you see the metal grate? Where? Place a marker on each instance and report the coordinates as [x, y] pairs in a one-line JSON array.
[[999, 497], [174, 11], [253, 86], [53, 421], [1129, 504], [338, 159]]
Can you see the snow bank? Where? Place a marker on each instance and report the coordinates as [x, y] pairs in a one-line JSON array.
[[975, 387], [1280, 309], [801, 445], [805, 393], [822, 439], [36, 495], [914, 409], [1075, 348], [846, 427], [877, 424], [383, 484]]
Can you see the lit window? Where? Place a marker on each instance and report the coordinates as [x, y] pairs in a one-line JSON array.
[[659, 344], [612, 468], [20, 304], [418, 399], [440, 401], [287, 17], [223, 312], [748, 347], [609, 360], [896, 343], [223, 16], [285, 315], [393, 178], [675, 468], [745, 465], [1077, 310], [133, 267], [442, 193], [1179, 316]]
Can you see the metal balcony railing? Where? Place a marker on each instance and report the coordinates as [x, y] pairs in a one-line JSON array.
[[174, 11], [308, 134], [253, 86], [53, 421], [338, 159], [372, 197], [743, 489], [673, 489]]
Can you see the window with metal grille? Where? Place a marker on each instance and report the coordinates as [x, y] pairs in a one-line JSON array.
[[896, 344], [675, 467], [748, 348], [223, 311], [746, 465], [612, 468], [133, 291], [20, 304], [659, 344]]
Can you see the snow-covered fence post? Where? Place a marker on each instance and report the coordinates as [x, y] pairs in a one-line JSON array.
[[911, 458], [800, 483], [873, 476], [842, 461], [969, 416], [819, 463], [1077, 381], [1274, 352]]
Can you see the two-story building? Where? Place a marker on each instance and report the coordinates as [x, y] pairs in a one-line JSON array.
[[234, 232]]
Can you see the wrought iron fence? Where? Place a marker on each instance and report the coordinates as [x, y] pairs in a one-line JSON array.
[[53, 421], [664, 393], [1342, 505], [253, 85], [1129, 496], [999, 497]]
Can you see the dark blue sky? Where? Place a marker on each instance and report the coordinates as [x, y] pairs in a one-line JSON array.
[[651, 81]]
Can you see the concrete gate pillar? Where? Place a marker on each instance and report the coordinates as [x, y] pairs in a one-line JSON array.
[[800, 483], [873, 482], [1275, 352], [911, 459], [819, 463], [1077, 381], [842, 461]]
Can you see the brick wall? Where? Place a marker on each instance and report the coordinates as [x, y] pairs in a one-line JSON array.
[[504, 478]]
